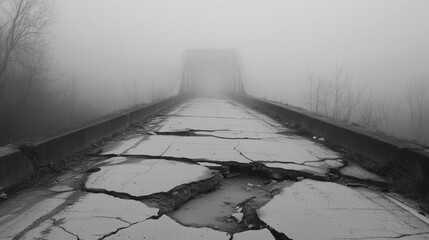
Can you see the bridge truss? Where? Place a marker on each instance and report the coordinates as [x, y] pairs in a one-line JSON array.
[[215, 68]]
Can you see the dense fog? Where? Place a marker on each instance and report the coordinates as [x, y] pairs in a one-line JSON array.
[[109, 55]]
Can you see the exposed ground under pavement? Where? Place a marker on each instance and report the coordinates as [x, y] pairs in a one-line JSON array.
[[213, 169]]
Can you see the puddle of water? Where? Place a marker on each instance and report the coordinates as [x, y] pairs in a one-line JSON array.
[[214, 209]]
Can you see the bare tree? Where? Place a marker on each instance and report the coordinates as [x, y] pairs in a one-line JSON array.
[[333, 96], [372, 113], [23, 59], [317, 93], [340, 93], [21, 28], [416, 93], [309, 94]]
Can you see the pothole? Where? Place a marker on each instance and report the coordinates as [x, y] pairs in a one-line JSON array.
[[232, 207]]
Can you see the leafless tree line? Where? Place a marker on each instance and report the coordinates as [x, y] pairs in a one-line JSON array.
[[417, 98], [23, 63], [32, 99], [36, 96], [333, 95]]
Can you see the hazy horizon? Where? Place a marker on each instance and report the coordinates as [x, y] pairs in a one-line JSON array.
[[111, 44]]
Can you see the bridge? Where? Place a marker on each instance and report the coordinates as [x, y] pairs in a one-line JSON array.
[[213, 163]]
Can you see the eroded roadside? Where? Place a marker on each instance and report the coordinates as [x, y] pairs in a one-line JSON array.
[[212, 169]]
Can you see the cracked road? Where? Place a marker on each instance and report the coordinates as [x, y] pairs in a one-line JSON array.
[[213, 169]]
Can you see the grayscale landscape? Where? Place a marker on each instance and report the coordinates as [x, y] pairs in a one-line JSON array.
[[204, 119]]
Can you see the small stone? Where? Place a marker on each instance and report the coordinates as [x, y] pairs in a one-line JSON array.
[[258, 186], [272, 183], [314, 137], [250, 185], [321, 139], [274, 191], [238, 216], [248, 189], [239, 209]]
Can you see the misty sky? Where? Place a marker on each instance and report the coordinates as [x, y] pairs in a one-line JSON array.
[[110, 43]]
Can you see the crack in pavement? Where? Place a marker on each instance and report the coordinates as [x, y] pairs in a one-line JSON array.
[[74, 196], [194, 133], [170, 200], [252, 219], [338, 159], [117, 218], [241, 153], [189, 131], [130, 225], [275, 173], [122, 228], [54, 223], [384, 237], [227, 138], [411, 234], [191, 116]]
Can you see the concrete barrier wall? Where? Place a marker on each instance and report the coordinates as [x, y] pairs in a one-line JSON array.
[[16, 165], [394, 153]]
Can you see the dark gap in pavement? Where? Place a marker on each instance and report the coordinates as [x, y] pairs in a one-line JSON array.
[[232, 206], [194, 133], [274, 173], [168, 201]]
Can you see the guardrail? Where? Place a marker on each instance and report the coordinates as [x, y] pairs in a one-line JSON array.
[[403, 159], [18, 163]]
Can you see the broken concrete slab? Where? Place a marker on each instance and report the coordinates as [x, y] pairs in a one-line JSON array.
[[227, 134], [195, 148], [167, 229], [50, 232], [203, 111], [214, 209], [291, 151], [210, 107], [92, 217], [354, 171], [141, 178], [118, 147], [264, 234], [215, 133], [337, 212], [285, 150], [113, 161], [20, 212], [209, 165], [247, 124], [298, 167]]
